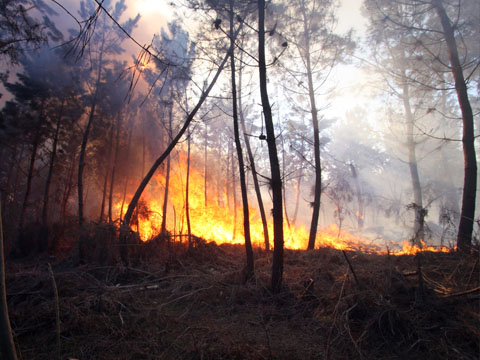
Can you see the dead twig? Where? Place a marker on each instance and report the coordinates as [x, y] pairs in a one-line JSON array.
[[351, 268]]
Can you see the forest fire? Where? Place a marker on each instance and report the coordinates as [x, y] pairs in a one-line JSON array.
[[216, 219]]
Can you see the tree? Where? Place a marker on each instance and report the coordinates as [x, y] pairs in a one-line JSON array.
[[241, 166], [18, 28], [309, 28], [108, 42], [428, 31], [7, 345], [275, 179]]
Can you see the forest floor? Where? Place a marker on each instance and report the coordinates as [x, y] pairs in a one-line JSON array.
[[196, 305]]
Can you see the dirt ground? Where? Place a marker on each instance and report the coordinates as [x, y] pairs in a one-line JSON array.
[[174, 304]]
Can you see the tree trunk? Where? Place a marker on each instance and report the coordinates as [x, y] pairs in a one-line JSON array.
[[114, 166], [297, 196], [68, 190], [187, 190], [31, 169], [316, 140], [234, 193], [418, 228], [276, 180], [7, 345], [83, 147], [251, 159], [44, 231], [467, 216], [205, 160], [129, 141], [360, 214], [241, 167], [173, 143], [167, 177]]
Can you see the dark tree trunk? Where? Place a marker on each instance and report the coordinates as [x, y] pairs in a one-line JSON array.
[[241, 166], [7, 345], [107, 174], [167, 176], [114, 166], [276, 180], [251, 160], [234, 193], [467, 216], [187, 190], [129, 142], [44, 231], [205, 169], [31, 169], [83, 147], [316, 141], [68, 190]]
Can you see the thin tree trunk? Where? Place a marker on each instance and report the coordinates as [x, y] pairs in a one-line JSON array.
[[360, 214], [276, 180], [173, 143], [83, 147], [167, 176], [68, 190], [241, 166], [251, 159], [44, 232], [418, 230], [465, 229], [114, 166], [129, 141], [107, 174], [7, 345], [14, 161], [205, 159], [297, 196], [187, 190], [234, 194], [31, 169], [316, 140]]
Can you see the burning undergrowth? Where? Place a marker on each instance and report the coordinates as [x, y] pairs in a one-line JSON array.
[[173, 303]]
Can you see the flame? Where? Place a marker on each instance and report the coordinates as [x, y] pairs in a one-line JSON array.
[[411, 249], [215, 220]]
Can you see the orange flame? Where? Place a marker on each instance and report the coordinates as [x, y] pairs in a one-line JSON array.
[[216, 220]]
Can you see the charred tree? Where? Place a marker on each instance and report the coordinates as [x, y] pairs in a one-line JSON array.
[[276, 180]]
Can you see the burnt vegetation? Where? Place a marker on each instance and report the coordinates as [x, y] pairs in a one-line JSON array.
[[224, 192]]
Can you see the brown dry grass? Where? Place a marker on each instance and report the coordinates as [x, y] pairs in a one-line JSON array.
[[195, 305]]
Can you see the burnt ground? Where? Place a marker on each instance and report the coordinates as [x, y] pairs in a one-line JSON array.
[[196, 305]]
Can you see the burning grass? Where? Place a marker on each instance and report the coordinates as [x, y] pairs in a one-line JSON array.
[[172, 303]]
